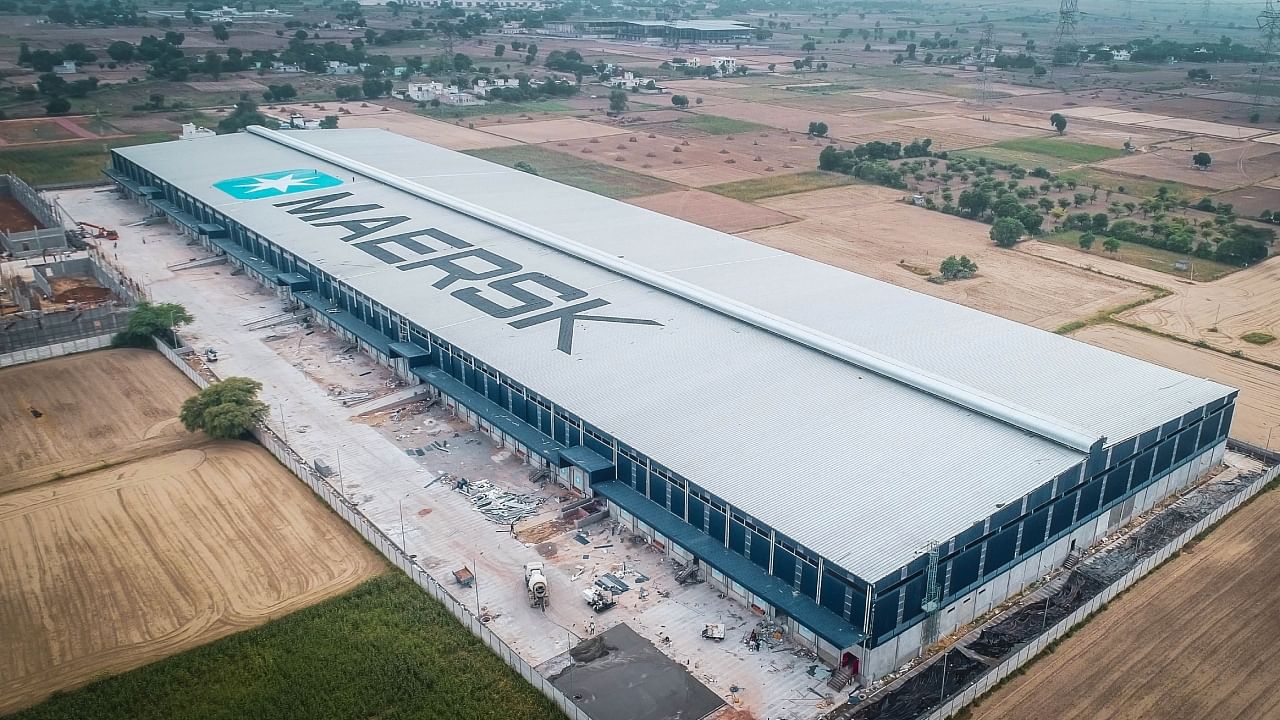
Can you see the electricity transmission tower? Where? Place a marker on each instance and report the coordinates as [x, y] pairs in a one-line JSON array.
[[987, 42], [1269, 26], [1206, 9], [1065, 45]]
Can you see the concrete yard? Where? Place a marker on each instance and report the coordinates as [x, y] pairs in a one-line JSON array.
[[438, 524]]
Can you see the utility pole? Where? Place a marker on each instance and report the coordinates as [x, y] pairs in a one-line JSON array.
[[1269, 26], [1064, 43]]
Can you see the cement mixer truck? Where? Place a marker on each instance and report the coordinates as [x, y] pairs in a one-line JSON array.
[[536, 583]]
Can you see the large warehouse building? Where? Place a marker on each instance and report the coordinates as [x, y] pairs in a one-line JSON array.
[[871, 465]]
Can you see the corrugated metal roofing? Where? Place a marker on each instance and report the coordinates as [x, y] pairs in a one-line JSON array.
[[862, 469]]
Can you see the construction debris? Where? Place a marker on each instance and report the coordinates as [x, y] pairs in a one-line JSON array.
[[499, 506]]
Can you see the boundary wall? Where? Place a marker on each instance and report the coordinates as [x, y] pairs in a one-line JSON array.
[[1026, 653], [44, 352], [389, 549]]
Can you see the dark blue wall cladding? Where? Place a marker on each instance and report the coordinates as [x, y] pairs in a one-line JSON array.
[[1142, 469], [716, 527], [973, 533], [676, 502], [1170, 427], [1035, 528], [808, 579], [696, 513], [913, 596], [760, 550], [658, 490], [1064, 509], [885, 614], [1090, 497], [1187, 443], [964, 569], [1040, 496], [1124, 450], [1117, 483], [784, 565], [737, 537], [834, 592], [1000, 550], [1006, 514], [1164, 457]]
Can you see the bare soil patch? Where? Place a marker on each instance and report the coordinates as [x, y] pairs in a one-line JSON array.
[[541, 131], [1257, 408], [869, 231], [91, 408], [1191, 641], [118, 568], [454, 137], [713, 211], [1240, 163], [1220, 312], [14, 217]]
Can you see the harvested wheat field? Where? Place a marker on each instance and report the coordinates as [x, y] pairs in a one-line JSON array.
[[714, 211], [868, 230], [1194, 640], [117, 568], [73, 413], [1222, 312], [1257, 408]]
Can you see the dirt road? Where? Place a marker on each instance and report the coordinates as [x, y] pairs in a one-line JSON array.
[[1195, 640]]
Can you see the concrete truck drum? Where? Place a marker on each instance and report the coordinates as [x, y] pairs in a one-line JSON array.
[[536, 583]]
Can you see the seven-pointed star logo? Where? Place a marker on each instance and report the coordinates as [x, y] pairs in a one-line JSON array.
[[273, 184]]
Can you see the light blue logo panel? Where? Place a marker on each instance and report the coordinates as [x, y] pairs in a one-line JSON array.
[[274, 184]]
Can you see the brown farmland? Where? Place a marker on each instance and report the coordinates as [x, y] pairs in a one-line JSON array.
[[1195, 640], [868, 230], [117, 568], [107, 406]]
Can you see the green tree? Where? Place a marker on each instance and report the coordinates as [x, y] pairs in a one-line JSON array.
[[147, 321], [1202, 160], [680, 101], [225, 410], [120, 51], [618, 101], [1086, 240], [1059, 122], [220, 32], [499, 50], [957, 268], [1006, 232], [808, 47], [818, 129], [57, 106], [1111, 245], [525, 167], [330, 122]]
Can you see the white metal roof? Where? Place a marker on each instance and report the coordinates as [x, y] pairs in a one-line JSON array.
[[860, 468]]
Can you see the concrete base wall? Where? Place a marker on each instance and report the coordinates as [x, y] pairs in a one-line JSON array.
[[902, 649]]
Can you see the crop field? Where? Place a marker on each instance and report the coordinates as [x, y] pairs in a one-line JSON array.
[[1222, 312], [714, 211], [69, 161], [582, 173], [699, 161], [1060, 149], [716, 125], [1147, 257], [382, 650], [102, 407], [870, 231], [1257, 408], [117, 568], [766, 187], [1191, 641]]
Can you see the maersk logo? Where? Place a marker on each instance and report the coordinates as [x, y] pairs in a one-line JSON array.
[[274, 184]]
